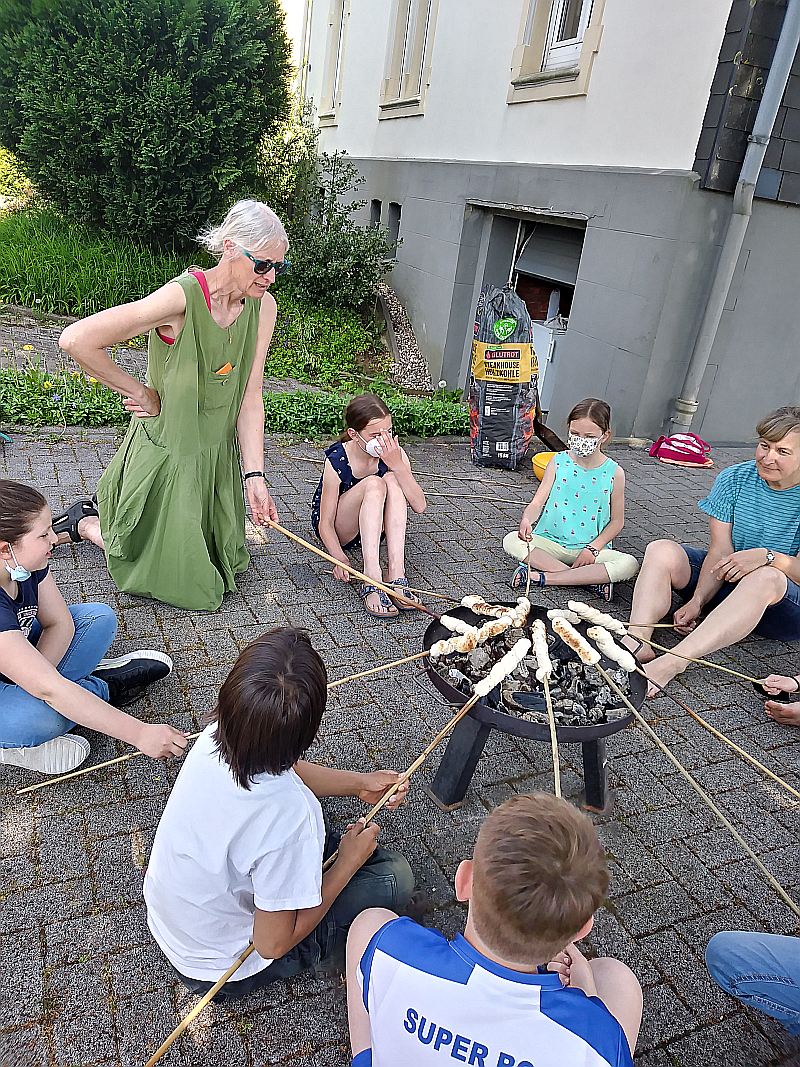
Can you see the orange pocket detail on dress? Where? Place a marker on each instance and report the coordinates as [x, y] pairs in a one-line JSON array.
[[225, 370]]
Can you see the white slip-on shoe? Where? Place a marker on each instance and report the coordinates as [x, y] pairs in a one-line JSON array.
[[58, 756]]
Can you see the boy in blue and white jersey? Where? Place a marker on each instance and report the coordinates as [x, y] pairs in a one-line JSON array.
[[513, 991]]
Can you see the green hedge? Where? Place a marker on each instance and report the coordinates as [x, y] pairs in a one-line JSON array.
[[32, 397]]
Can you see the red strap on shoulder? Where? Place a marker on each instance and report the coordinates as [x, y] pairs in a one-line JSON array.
[[203, 285]]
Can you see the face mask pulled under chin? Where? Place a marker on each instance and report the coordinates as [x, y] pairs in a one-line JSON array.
[[18, 574], [582, 446]]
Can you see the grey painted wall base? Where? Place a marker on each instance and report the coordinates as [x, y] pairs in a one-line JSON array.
[[652, 239]]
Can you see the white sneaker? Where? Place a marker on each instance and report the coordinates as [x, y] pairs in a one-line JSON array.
[[58, 756]]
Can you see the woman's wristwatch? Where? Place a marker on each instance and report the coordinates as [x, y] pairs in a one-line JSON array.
[[770, 557], [595, 551]]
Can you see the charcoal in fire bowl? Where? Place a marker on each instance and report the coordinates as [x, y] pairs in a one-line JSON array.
[[499, 717]]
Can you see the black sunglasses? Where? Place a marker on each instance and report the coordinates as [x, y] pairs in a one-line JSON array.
[[264, 266]]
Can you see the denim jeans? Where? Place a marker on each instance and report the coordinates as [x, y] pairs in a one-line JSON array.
[[24, 719], [761, 970], [780, 622], [385, 881]]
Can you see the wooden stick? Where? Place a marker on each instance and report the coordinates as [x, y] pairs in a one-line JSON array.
[[193, 737], [404, 777], [204, 1000], [693, 659], [425, 474], [376, 670], [700, 792], [654, 625], [388, 589], [553, 737], [528, 579], [724, 738], [87, 770]]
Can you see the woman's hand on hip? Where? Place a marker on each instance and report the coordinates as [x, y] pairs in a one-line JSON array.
[[145, 406], [262, 506], [160, 741]]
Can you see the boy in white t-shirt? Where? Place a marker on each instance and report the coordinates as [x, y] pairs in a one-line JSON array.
[[490, 998], [238, 853]]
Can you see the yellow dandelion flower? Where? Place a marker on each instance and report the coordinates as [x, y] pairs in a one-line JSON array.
[[48, 384], [27, 348], [93, 380], [76, 374]]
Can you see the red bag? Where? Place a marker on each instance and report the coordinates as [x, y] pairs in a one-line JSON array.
[[683, 450]]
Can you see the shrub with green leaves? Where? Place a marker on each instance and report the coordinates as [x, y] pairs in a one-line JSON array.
[[334, 260], [13, 182], [32, 396], [143, 117]]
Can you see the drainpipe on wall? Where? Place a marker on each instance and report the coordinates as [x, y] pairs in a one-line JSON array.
[[686, 404]]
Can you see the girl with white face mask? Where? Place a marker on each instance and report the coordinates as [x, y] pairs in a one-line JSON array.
[[52, 671], [363, 496], [578, 509]]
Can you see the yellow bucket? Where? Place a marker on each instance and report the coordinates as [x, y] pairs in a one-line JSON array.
[[540, 461]]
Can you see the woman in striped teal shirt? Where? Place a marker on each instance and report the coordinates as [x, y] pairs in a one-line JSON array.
[[748, 578]]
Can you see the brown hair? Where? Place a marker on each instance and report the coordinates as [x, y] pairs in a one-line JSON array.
[[539, 874], [361, 410], [270, 706], [775, 426], [19, 506], [596, 410]]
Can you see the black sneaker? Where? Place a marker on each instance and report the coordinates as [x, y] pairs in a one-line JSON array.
[[127, 677]]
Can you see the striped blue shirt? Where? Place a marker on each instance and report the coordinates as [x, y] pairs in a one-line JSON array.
[[760, 517]]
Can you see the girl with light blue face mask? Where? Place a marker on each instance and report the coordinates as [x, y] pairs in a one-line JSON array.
[[52, 672], [363, 498], [577, 511]]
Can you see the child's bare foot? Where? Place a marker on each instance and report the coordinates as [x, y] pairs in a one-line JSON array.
[[661, 671], [785, 714]]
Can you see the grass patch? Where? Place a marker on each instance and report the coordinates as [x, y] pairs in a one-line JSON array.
[[34, 397]]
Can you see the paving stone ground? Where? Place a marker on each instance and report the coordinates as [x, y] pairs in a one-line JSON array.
[[85, 985]]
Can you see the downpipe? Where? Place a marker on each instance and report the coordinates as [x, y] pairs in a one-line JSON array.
[[687, 403]]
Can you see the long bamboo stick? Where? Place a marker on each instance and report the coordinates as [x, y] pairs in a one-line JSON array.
[[553, 737], [390, 792], [193, 737], [724, 738], [483, 499], [700, 792], [426, 474], [88, 770], [204, 1000], [376, 670], [390, 590], [696, 659], [407, 773]]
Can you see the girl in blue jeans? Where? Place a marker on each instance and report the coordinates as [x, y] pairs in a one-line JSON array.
[[52, 672]]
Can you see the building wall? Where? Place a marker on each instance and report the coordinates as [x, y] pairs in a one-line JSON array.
[[649, 85]]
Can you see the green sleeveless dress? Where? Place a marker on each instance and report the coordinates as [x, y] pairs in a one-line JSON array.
[[171, 502]]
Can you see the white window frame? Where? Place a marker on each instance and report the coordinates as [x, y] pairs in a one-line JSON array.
[[566, 53], [411, 28], [331, 94], [546, 69]]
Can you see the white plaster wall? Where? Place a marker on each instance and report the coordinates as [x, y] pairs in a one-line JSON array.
[[647, 94]]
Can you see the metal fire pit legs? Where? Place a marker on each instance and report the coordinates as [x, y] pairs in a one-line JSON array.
[[452, 779], [464, 749], [596, 797]]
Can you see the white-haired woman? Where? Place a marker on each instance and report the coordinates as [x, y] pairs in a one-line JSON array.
[[169, 512]]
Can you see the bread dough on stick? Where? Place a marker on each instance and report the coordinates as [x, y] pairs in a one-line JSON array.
[[586, 653], [505, 666], [544, 666], [609, 647], [597, 618]]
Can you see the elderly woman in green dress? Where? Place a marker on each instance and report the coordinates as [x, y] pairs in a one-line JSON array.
[[169, 510]]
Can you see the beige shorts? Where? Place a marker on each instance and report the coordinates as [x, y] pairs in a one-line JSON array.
[[620, 566]]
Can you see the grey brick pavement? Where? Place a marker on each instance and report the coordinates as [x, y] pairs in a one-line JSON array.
[[84, 983]]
